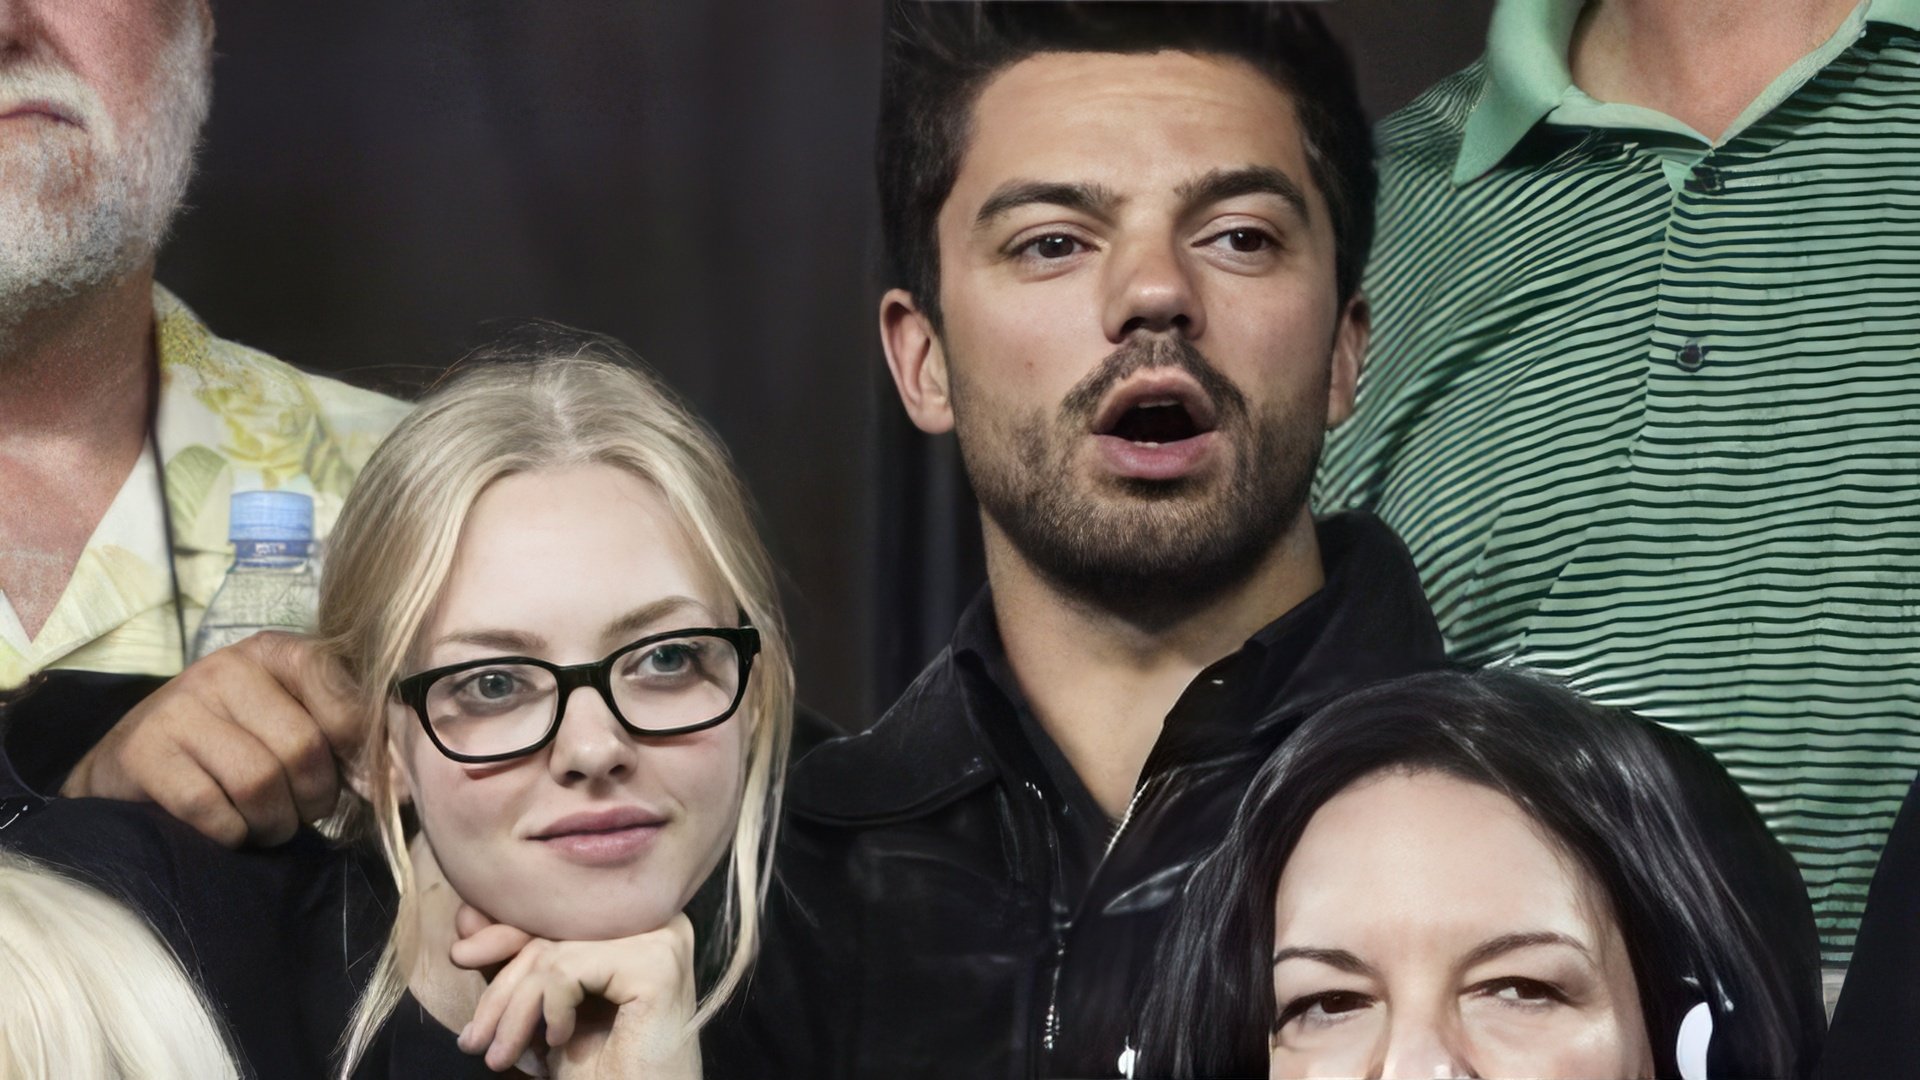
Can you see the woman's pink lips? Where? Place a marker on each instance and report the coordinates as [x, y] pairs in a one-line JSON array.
[[601, 837], [604, 848]]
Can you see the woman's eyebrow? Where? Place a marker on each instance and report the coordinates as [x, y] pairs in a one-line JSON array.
[[1506, 943], [1340, 959], [506, 641], [523, 642], [647, 615]]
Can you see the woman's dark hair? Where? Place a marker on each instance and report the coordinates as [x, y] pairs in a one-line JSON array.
[[1708, 903], [938, 56]]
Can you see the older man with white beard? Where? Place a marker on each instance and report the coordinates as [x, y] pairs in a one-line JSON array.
[[124, 423]]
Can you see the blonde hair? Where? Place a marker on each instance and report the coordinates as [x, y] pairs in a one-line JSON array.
[[88, 989], [543, 398]]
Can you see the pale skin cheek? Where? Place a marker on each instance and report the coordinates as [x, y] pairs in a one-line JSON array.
[[1578, 1048], [1589, 1047]]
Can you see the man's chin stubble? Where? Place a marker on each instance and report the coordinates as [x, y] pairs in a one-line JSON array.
[[1148, 556]]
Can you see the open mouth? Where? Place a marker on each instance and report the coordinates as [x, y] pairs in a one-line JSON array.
[[1156, 422], [1156, 409]]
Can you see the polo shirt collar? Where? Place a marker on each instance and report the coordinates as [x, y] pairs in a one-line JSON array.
[[1527, 77], [1903, 13]]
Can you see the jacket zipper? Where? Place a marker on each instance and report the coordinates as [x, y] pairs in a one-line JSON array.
[[1051, 1029]]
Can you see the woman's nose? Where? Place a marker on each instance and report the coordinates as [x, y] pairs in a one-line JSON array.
[[1427, 1048], [591, 743]]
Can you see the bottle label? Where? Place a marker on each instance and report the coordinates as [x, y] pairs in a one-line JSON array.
[[270, 552]]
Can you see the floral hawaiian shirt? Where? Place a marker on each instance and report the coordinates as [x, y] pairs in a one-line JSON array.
[[230, 419]]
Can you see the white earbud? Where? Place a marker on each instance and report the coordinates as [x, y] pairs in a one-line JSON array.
[[1690, 1049]]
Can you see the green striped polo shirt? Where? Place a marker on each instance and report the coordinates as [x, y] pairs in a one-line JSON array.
[[1646, 408]]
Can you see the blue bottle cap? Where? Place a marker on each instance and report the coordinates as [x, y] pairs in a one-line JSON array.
[[270, 515]]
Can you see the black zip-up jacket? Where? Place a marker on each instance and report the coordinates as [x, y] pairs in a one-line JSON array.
[[940, 910], [1876, 1025]]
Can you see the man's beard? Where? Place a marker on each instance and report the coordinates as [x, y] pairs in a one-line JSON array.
[[1150, 550], [80, 208]]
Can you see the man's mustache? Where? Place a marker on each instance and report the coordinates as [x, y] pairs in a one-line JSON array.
[[1139, 354]]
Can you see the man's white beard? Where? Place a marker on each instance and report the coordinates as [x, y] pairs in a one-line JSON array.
[[80, 208]]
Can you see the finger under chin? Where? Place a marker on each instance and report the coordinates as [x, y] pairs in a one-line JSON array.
[[495, 944], [481, 1030], [470, 920]]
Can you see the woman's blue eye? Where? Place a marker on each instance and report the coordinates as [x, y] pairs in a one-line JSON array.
[[670, 658], [671, 661], [490, 686]]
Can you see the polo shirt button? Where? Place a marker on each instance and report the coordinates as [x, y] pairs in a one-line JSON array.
[[1706, 179], [1693, 355]]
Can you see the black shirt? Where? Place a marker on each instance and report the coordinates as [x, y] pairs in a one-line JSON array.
[[279, 939], [412, 1044], [948, 903], [1876, 1024]]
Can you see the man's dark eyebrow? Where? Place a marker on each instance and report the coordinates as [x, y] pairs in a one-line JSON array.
[[1097, 200], [1223, 184], [1507, 943], [1333, 958]]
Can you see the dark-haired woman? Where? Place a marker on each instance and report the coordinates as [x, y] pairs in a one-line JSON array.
[[1486, 875]]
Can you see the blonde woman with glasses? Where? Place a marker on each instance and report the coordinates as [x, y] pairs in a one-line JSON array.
[[549, 596], [559, 635]]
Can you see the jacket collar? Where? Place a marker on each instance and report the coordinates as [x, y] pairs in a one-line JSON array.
[[1369, 621]]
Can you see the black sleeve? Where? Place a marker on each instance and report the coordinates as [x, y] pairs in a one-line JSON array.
[[50, 726], [1876, 1026], [279, 939], [786, 1020]]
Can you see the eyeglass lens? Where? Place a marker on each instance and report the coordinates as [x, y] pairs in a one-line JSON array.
[[502, 708]]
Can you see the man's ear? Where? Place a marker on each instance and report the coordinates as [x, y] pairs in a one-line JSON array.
[[917, 362], [1349, 356]]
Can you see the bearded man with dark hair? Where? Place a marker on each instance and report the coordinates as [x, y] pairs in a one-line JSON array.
[[1124, 242]]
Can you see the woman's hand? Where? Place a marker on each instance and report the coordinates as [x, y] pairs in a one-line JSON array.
[[647, 979]]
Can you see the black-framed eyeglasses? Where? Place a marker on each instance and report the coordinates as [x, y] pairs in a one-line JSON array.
[[504, 707]]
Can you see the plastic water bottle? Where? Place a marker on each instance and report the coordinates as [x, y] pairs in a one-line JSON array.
[[271, 585]]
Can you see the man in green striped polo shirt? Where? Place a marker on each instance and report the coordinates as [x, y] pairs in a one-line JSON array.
[[1644, 390]]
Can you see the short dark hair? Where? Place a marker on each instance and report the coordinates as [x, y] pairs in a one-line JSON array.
[[1709, 904], [939, 56]]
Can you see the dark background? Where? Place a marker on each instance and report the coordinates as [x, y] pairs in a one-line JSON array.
[[383, 177]]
